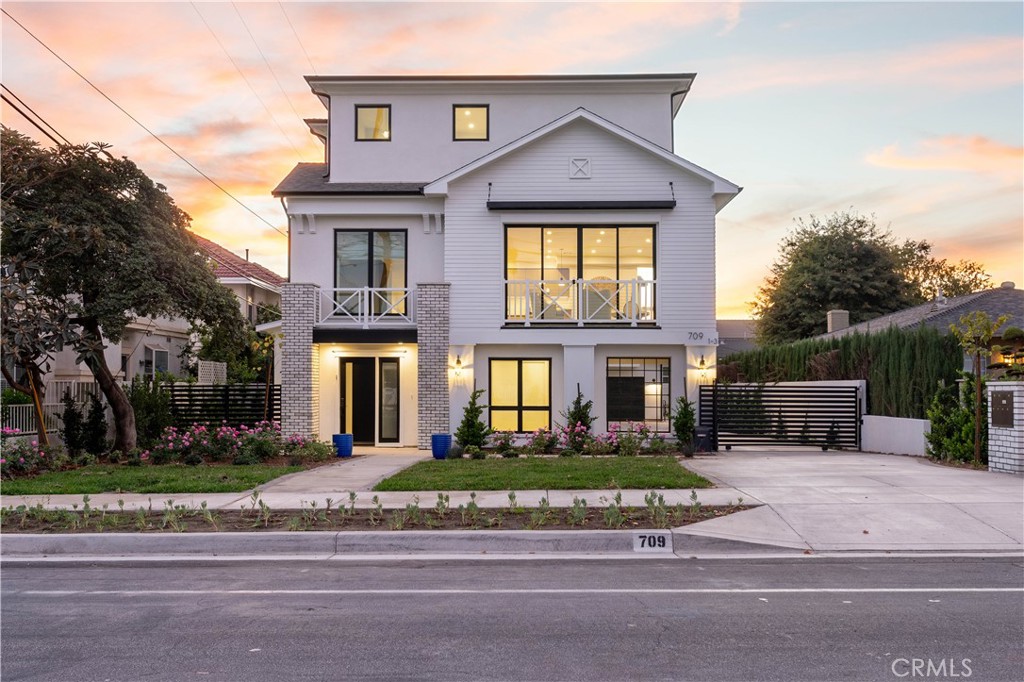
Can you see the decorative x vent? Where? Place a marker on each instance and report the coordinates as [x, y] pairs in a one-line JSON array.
[[579, 169]]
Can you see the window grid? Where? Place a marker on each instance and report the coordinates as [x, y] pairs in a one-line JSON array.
[[657, 393], [519, 409]]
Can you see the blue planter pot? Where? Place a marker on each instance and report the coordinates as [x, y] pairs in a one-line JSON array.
[[343, 444], [440, 444]]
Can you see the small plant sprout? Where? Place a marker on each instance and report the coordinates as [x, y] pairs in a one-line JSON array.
[[513, 503], [352, 502], [578, 511], [377, 512], [694, 503], [442, 505]]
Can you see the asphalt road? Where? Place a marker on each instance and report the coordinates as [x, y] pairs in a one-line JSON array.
[[792, 619]]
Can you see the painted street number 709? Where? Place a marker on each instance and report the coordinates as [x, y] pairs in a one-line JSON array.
[[652, 541]]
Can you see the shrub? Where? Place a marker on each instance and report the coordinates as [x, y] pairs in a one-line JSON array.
[[504, 443], [952, 423], [94, 431], [600, 445], [73, 425], [684, 424], [472, 432], [311, 451], [20, 456], [632, 439], [455, 452], [152, 407], [541, 441], [475, 452], [261, 448], [578, 415]]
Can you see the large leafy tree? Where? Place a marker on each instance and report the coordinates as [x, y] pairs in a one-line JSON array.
[[845, 261], [108, 245]]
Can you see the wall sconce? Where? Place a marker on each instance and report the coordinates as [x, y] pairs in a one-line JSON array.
[[703, 367], [458, 366]]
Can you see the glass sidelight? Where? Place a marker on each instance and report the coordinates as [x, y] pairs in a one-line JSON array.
[[389, 401]]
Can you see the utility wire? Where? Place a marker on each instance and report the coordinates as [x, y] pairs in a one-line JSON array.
[[251, 88], [297, 38], [139, 123], [266, 61], [29, 119], [34, 113]]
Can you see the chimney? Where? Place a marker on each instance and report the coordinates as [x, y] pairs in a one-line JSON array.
[[838, 319], [247, 255]]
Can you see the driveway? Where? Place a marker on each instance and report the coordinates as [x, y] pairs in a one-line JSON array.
[[859, 501]]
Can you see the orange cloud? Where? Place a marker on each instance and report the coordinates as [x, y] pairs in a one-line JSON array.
[[975, 154]]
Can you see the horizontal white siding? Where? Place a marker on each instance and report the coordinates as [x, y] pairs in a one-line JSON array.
[[474, 250]]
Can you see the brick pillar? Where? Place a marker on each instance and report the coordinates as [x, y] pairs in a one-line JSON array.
[[300, 361], [432, 351]]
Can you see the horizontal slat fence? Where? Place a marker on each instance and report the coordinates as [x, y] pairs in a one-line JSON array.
[[750, 414], [235, 404]]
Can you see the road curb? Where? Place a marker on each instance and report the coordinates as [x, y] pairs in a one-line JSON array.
[[329, 543]]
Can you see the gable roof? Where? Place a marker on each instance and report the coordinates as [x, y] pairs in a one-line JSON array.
[[939, 315], [723, 190], [230, 266]]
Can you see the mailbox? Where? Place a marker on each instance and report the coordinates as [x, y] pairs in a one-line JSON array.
[[1002, 409]]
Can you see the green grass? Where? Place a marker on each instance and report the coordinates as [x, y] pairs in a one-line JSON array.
[[170, 478], [535, 473]]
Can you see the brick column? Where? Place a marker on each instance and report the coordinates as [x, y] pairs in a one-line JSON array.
[[1006, 441], [432, 315], [300, 361]]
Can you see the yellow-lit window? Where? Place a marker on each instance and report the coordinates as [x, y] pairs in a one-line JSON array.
[[520, 394], [373, 122], [470, 122]]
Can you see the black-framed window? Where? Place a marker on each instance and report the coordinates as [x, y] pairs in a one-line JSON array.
[[471, 122], [373, 122], [639, 391], [599, 254], [520, 394], [371, 258]]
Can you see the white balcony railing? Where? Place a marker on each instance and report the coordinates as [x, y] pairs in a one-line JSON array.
[[365, 307], [583, 302]]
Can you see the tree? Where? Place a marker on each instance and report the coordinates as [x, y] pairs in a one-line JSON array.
[[845, 261], [109, 245], [975, 333]]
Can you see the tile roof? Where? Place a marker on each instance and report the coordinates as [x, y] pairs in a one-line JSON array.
[[230, 265], [995, 302], [309, 178]]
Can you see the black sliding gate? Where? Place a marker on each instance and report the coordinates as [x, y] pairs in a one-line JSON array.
[[755, 414]]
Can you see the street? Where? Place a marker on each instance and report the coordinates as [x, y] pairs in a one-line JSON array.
[[770, 619]]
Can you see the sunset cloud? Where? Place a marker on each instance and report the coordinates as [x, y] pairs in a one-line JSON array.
[[974, 154]]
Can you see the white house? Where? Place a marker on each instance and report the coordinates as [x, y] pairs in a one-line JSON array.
[[525, 235]]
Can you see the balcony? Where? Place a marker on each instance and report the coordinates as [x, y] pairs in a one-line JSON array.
[[580, 302], [365, 308]]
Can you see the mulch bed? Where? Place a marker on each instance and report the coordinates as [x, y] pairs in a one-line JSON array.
[[191, 519]]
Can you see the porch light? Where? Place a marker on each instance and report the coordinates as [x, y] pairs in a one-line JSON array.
[[703, 367], [458, 366]]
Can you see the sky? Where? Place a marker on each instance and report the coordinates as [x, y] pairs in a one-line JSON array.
[[910, 112]]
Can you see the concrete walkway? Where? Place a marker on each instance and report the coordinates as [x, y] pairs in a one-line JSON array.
[[858, 501]]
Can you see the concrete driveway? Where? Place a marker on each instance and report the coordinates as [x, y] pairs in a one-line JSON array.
[[858, 501]]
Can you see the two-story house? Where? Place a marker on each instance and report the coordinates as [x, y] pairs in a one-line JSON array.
[[525, 235]]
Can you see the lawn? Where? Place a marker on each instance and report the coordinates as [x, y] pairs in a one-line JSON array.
[[544, 473], [169, 478]]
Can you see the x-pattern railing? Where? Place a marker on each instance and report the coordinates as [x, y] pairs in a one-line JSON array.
[[580, 301], [365, 306]]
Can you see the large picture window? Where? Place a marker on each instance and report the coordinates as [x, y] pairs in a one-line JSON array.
[[639, 391], [520, 394], [374, 259], [608, 258]]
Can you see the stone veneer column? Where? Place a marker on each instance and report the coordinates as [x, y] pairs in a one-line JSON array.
[[300, 361], [1006, 444], [432, 315]]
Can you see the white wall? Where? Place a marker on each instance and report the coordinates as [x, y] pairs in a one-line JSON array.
[[474, 253], [421, 147], [894, 435]]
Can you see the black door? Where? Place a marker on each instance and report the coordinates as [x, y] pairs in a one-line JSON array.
[[358, 398]]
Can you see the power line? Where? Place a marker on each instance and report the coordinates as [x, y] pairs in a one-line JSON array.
[[139, 123], [244, 78], [266, 61], [34, 113], [297, 38], [29, 119]]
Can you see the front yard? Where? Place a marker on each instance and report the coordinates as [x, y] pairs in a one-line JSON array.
[[545, 473], [166, 479]]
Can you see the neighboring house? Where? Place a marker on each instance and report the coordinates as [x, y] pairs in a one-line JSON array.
[[939, 314], [156, 344], [524, 235], [736, 336]]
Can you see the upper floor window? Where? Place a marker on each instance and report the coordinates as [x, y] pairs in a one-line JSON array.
[[470, 122], [373, 122], [374, 259]]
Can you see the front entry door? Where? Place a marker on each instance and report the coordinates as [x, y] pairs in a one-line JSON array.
[[358, 398]]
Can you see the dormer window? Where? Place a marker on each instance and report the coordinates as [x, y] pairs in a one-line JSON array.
[[373, 122], [470, 122]]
